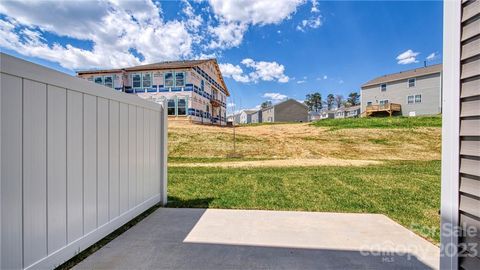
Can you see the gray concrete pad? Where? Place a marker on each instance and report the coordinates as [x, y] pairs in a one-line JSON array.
[[249, 239]]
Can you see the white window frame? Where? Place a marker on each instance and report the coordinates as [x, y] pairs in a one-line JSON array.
[[165, 79], [178, 107], [414, 82], [174, 106], [175, 79], [113, 79], [413, 99], [95, 79], [142, 79], [381, 87], [134, 74], [103, 80]]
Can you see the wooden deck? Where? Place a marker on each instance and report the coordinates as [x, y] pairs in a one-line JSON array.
[[389, 108]]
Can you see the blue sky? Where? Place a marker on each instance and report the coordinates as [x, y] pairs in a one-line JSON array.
[[266, 52]]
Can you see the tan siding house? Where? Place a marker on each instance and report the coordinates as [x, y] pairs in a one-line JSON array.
[[194, 90], [289, 110], [417, 91], [257, 117], [246, 116]]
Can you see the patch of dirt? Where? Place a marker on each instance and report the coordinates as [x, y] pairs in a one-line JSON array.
[[303, 141], [281, 163]]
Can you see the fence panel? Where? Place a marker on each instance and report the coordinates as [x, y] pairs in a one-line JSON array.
[[78, 160]]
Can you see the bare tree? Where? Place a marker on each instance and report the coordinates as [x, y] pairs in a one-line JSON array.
[[339, 101]]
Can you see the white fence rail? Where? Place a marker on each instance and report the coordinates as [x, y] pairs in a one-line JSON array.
[[78, 160]]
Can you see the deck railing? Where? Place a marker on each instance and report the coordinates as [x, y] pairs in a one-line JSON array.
[[384, 107]]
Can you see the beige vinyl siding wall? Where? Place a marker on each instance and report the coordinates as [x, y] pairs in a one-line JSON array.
[[257, 117], [469, 192], [428, 86], [290, 111], [268, 115]]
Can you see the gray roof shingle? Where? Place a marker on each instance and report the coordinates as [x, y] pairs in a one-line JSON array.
[[404, 75]]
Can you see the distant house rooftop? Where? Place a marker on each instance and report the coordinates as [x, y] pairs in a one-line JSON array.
[[404, 75], [160, 65], [250, 111], [286, 100]]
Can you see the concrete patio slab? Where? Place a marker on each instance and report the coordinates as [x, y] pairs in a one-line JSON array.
[[250, 239]]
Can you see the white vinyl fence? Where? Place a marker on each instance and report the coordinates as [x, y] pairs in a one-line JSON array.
[[78, 160]]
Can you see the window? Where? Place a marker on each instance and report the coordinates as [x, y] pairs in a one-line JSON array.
[[171, 107], [384, 102], [169, 79], [180, 79], [136, 81], [108, 80], [202, 85], [147, 80], [418, 98], [383, 87], [411, 82], [182, 107], [369, 103], [410, 99], [99, 80], [414, 99]]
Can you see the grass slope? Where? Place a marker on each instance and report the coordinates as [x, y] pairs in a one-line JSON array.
[[381, 122], [406, 191]]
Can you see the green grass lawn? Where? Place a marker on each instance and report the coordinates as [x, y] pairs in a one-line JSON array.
[[406, 191], [381, 122]]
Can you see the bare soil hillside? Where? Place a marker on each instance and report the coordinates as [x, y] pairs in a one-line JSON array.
[[304, 141]]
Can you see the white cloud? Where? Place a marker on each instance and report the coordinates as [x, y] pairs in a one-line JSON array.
[[324, 77], [194, 21], [432, 56], [259, 71], [313, 22], [266, 71], [315, 6], [407, 57], [302, 81], [254, 12], [114, 28], [341, 82], [227, 35], [115, 33], [274, 96], [236, 16], [234, 71], [230, 105]]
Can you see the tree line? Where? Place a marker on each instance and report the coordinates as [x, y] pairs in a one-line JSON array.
[[315, 102]]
